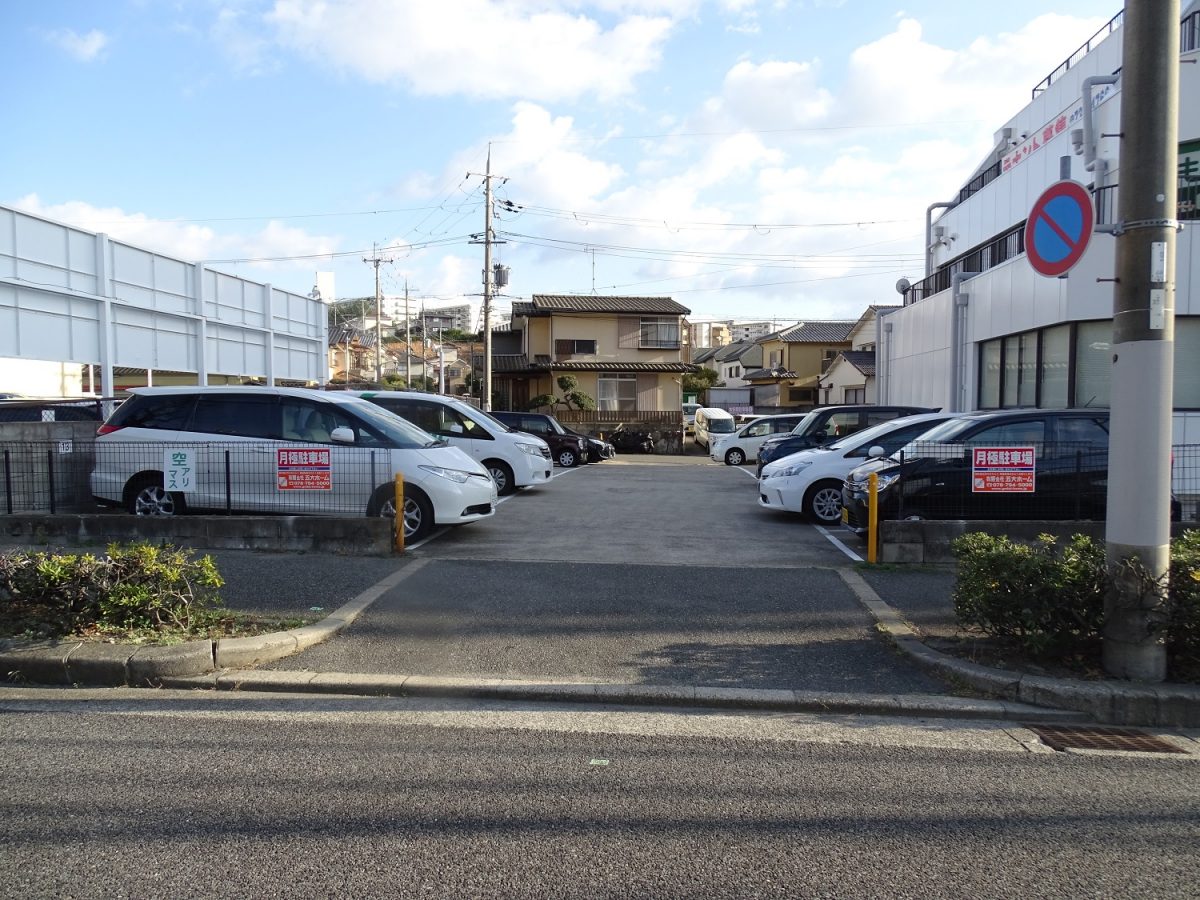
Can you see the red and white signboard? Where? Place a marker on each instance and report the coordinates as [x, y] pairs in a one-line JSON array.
[[304, 469], [1002, 470]]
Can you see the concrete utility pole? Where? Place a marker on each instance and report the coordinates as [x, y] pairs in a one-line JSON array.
[[487, 240], [407, 339], [1139, 467], [376, 260]]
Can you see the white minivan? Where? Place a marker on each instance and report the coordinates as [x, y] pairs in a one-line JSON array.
[[280, 450], [742, 445], [710, 422], [515, 459]]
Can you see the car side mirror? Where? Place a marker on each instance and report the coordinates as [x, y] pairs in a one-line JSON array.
[[342, 435], [876, 451]]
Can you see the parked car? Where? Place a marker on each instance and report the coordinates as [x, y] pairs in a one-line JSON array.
[[566, 447], [515, 460], [935, 479], [281, 450], [598, 450], [827, 423], [810, 481], [689, 417], [709, 422], [743, 444]]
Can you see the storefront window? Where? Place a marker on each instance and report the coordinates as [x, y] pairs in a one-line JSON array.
[[989, 377], [1187, 372], [1093, 363], [1056, 367]]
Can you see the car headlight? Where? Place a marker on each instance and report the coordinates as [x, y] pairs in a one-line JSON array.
[[454, 475], [531, 449], [788, 470], [886, 481]]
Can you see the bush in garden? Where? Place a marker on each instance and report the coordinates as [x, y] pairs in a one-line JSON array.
[[1046, 600], [1183, 626], [134, 587], [1051, 601]]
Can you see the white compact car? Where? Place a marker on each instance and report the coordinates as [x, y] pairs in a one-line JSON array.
[[742, 445], [281, 450], [810, 481], [514, 459]]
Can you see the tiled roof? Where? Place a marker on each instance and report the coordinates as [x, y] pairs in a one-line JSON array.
[[514, 363], [509, 362], [703, 354], [340, 335], [863, 360], [770, 375], [816, 332], [736, 350], [544, 304]]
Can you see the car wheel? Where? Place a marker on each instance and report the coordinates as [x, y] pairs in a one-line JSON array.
[[823, 503], [735, 457], [502, 475], [568, 458], [145, 496], [418, 512]]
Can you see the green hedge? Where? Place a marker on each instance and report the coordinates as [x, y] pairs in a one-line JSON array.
[[135, 587], [1049, 600]]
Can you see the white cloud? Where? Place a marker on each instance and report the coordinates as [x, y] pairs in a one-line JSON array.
[[771, 95], [188, 241], [83, 47], [481, 48]]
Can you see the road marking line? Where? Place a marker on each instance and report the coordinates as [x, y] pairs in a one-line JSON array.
[[837, 543], [748, 472]]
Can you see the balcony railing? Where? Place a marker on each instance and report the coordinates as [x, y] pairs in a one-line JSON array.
[[1113, 24]]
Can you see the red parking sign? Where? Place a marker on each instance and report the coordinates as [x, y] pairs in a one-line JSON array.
[[304, 469], [1003, 470]]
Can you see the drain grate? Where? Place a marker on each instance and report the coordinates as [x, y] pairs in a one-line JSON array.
[[1081, 737]]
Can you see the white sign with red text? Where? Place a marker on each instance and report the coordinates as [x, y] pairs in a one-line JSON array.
[[1003, 470], [1068, 119], [304, 469]]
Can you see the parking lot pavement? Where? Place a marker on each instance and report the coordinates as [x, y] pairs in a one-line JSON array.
[[786, 628]]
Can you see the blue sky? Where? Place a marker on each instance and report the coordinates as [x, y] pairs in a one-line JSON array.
[[750, 159]]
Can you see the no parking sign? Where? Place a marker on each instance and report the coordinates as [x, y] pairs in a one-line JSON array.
[[1058, 228]]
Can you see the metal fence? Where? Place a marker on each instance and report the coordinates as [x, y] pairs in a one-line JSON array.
[[223, 477], [1023, 480]]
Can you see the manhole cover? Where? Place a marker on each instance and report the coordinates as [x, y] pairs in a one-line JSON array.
[[1075, 737]]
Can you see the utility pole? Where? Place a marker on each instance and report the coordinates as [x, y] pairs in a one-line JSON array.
[[487, 240], [376, 260], [1139, 463], [407, 339]]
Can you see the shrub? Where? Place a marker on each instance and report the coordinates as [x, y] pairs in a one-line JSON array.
[[1046, 601], [1183, 628], [135, 587]]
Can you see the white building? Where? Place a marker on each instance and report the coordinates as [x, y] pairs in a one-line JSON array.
[[1018, 338], [751, 331], [443, 318]]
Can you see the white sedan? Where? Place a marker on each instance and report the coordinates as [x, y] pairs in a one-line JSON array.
[[810, 481]]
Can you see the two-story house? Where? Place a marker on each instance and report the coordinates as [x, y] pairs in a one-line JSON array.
[[625, 352], [850, 378], [793, 360]]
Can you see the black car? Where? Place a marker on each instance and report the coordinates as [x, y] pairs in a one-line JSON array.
[[1049, 464], [827, 423], [566, 447], [597, 450]]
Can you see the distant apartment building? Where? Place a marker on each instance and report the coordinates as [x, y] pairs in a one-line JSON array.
[[750, 331], [435, 319], [708, 334]]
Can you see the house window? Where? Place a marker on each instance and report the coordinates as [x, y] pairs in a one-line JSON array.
[[856, 395], [776, 359], [618, 393], [828, 356], [802, 395], [569, 347], [660, 334]]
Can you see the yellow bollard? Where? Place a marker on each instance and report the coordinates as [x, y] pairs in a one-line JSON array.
[[398, 531], [872, 515]]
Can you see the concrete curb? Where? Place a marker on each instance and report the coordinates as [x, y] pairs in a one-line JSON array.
[[1111, 702], [600, 693]]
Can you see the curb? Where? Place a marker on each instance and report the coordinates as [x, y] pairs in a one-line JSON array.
[[1110, 701], [602, 693]]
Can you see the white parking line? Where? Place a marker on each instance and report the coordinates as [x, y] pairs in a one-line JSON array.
[[748, 472], [837, 543]]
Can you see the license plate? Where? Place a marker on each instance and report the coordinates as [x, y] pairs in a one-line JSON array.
[[845, 515]]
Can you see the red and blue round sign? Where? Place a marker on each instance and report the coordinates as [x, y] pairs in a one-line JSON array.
[[1058, 228]]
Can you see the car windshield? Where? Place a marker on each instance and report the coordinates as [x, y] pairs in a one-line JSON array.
[[469, 412], [401, 432], [863, 438], [720, 426], [806, 423], [557, 426], [946, 432]]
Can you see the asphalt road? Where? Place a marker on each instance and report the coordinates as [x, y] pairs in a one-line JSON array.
[[644, 573], [116, 793]]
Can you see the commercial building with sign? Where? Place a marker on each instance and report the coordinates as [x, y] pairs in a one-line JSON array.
[[983, 329]]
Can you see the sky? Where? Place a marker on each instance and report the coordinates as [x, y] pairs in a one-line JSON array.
[[752, 159]]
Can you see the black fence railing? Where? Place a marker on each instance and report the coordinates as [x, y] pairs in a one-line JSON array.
[[30, 410], [1113, 24], [267, 477], [1020, 480]]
